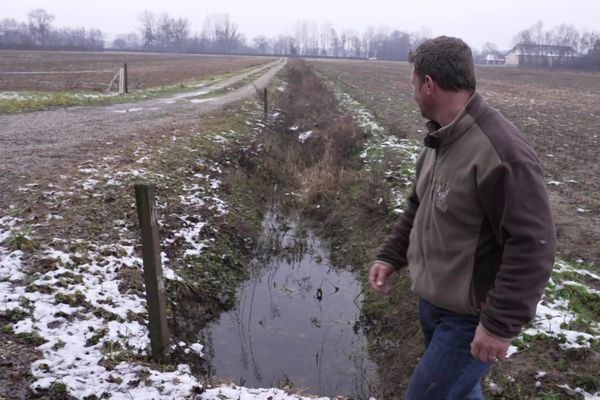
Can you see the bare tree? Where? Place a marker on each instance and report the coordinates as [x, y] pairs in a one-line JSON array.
[[489, 48], [15, 35], [368, 41], [221, 33], [396, 46], [587, 41], [148, 29], [336, 45], [416, 38], [40, 24], [325, 39], [164, 31], [262, 44], [531, 35], [283, 44], [302, 36], [181, 31], [565, 35]]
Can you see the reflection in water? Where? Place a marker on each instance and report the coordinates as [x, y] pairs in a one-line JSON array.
[[295, 321]]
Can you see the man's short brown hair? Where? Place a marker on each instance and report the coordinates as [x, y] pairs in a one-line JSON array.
[[447, 60]]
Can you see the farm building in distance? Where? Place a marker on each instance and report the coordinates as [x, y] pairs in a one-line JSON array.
[[541, 55], [495, 58]]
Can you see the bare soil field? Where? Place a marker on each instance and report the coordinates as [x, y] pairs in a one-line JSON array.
[[145, 70], [557, 110]]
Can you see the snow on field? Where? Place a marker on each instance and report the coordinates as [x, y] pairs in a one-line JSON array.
[[225, 392], [556, 311], [21, 96], [401, 166], [93, 329], [10, 261], [28, 96]]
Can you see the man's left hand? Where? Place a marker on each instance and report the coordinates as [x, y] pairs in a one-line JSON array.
[[487, 348]]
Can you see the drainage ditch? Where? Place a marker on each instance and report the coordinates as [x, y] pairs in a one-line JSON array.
[[296, 320]]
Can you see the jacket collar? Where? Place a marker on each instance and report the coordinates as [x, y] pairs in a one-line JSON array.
[[441, 136]]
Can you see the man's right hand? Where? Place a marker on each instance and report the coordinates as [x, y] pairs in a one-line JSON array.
[[378, 275]]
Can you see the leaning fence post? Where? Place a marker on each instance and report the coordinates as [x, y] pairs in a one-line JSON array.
[[265, 102], [121, 81], [153, 277], [125, 78]]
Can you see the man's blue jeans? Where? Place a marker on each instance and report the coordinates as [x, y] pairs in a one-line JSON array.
[[447, 370]]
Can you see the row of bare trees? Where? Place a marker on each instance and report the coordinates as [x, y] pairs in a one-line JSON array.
[[586, 44], [169, 34], [38, 33], [220, 34], [561, 35]]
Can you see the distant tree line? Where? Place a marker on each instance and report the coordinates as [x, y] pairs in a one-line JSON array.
[[219, 34], [39, 34]]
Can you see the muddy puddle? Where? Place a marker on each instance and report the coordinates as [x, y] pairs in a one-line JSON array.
[[295, 322]]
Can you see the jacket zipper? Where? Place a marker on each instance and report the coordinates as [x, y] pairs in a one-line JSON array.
[[432, 180]]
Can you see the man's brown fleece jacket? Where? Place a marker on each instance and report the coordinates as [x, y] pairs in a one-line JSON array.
[[477, 235]]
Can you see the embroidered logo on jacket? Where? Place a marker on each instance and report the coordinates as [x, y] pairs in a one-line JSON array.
[[441, 197]]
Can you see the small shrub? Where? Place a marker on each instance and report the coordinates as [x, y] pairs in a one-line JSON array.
[[21, 241]]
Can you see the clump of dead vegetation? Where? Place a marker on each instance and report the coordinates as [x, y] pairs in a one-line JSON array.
[[322, 166]]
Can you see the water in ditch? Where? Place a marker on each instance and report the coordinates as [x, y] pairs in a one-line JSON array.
[[295, 321]]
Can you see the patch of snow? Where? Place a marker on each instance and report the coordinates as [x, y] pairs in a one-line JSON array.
[[231, 392], [128, 110], [10, 261], [197, 348], [304, 136], [77, 338], [574, 392], [512, 350], [554, 315], [90, 183]]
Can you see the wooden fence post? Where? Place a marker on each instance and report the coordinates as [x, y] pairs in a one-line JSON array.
[[153, 277], [265, 102], [126, 79], [121, 81]]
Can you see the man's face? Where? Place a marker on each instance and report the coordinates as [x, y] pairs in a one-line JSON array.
[[418, 88]]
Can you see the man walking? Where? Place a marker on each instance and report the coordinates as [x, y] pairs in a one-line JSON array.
[[477, 234]]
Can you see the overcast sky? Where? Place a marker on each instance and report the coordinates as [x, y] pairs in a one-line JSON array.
[[476, 21]]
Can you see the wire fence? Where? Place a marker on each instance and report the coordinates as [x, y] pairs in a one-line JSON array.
[[96, 80]]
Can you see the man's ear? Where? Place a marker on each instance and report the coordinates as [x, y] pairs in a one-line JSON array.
[[429, 84]]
